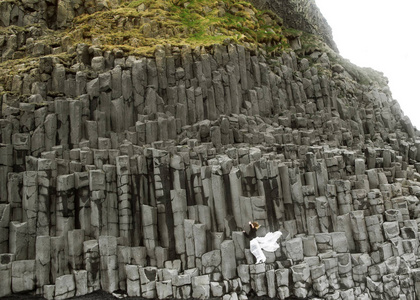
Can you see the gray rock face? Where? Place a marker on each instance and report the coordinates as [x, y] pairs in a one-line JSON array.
[[302, 15], [23, 276], [140, 174]]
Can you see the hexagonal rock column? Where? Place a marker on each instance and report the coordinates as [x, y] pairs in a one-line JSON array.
[[211, 262], [59, 263], [75, 254], [200, 242], [82, 190], [62, 113], [98, 204], [331, 270], [189, 242], [47, 169], [14, 188], [111, 200], [91, 258], [124, 259], [294, 249], [282, 282], [23, 276], [42, 262], [344, 225], [344, 199], [361, 263], [50, 126], [18, 239], [162, 184], [80, 279], [150, 233], [301, 277], [322, 209], [228, 259], [235, 181], [376, 202], [374, 229], [49, 291], [6, 166], [30, 208], [179, 210], [65, 287], [148, 278], [21, 147], [416, 278], [201, 287], [219, 195], [258, 279], [4, 227], [360, 234], [345, 270], [6, 274], [65, 204], [313, 222], [239, 242], [182, 286], [164, 289], [297, 196], [269, 186], [133, 280], [109, 263], [320, 280], [124, 197], [76, 110], [331, 194]]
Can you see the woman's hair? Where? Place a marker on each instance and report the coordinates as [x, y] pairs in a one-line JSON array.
[[255, 225]]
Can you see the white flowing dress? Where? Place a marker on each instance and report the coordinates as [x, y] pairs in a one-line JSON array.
[[267, 243]]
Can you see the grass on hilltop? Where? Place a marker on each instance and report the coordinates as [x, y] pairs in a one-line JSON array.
[[137, 26]]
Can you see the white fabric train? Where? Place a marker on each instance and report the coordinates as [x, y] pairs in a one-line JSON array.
[[267, 243]]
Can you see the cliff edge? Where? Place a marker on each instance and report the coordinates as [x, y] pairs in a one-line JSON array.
[[302, 15]]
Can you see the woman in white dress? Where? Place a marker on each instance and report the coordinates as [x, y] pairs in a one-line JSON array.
[[257, 244]]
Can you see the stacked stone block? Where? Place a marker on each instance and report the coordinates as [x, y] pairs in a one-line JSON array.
[[143, 178]]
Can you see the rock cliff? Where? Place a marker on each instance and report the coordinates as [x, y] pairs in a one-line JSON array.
[[301, 14], [121, 171]]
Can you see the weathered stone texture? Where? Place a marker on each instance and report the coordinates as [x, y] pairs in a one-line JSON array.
[[142, 173]]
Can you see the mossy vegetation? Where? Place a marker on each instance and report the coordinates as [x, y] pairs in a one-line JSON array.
[[137, 26]]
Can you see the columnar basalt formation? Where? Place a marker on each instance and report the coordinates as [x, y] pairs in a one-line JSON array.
[[140, 174], [106, 202]]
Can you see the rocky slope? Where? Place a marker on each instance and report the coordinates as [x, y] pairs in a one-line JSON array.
[[301, 14], [126, 165]]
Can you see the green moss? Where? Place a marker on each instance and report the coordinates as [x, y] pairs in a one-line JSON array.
[[292, 33], [179, 22], [135, 4], [176, 22]]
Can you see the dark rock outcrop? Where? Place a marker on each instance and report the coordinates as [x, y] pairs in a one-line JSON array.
[[300, 14]]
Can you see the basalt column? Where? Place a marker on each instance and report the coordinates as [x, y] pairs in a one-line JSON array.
[[65, 204], [163, 187], [111, 200], [30, 208], [46, 183], [124, 197], [82, 202], [98, 207]]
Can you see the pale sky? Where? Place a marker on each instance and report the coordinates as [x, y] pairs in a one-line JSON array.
[[383, 35]]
